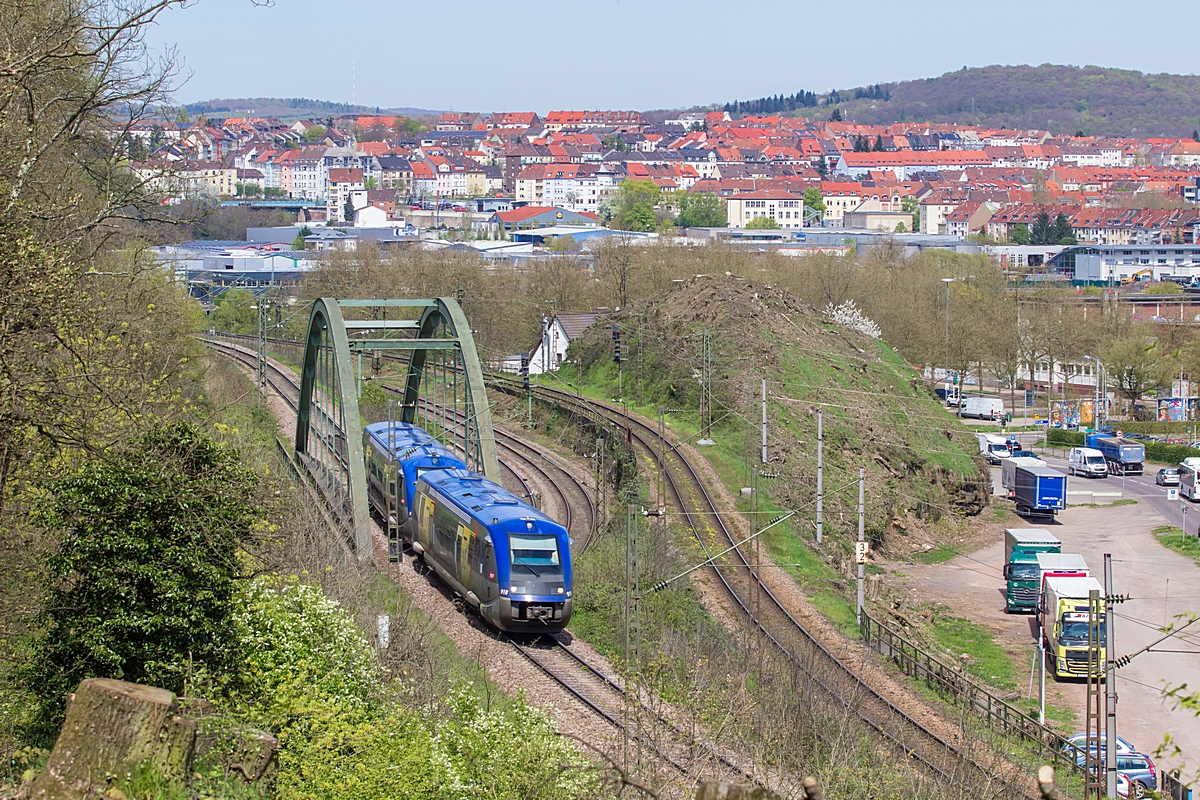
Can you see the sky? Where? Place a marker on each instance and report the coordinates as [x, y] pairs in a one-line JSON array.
[[497, 55]]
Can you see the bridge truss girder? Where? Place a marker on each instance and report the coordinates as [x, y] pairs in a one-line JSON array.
[[443, 392]]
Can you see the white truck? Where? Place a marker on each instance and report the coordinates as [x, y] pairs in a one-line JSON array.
[[993, 447], [981, 407]]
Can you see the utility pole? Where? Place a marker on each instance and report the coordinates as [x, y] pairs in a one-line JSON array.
[[262, 346], [764, 420], [820, 481], [1042, 673], [705, 390], [661, 473], [601, 483], [1094, 784], [861, 547], [1110, 684], [754, 586], [633, 636]]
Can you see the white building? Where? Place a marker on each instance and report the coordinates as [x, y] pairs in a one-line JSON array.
[[551, 351], [785, 208], [1114, 262]]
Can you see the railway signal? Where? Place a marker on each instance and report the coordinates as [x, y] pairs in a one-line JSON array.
[[616, 337], [525, 371]]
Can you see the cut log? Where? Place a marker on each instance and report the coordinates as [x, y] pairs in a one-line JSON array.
[[113, 728], [720, 790]]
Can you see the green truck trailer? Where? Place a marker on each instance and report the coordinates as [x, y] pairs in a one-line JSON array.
[[1021, 570]]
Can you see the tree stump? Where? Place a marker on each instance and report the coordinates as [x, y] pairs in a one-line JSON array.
[[113, 728], [720, 790]]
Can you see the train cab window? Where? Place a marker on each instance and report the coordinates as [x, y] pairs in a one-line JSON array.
[[534, 554]]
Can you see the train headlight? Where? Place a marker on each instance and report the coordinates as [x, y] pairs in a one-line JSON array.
[[560, 590]]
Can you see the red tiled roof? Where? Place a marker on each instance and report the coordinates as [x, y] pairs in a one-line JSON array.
[[341, 175]]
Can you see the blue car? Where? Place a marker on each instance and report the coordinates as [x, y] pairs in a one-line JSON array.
[[1138, 767]]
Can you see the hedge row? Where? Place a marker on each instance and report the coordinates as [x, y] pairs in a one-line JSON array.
[[1157, 452], [1180, 428]]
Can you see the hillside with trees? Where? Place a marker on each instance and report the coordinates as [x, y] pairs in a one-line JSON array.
[[1096, 101], [289, 109]]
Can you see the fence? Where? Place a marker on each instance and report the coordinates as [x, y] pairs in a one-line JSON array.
[[1170, 786], [953, 685]]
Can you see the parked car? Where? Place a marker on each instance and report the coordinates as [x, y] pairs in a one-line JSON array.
[[1167, 476], [1137, 767], [1077, 741], [1139, 436], [1140, 769], [1123, 785], [459, 208]]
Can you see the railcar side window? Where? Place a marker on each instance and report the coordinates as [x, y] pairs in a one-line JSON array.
[[444, 525]]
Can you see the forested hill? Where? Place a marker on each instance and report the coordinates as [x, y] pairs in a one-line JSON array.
[[1062, 99], [289, 108]]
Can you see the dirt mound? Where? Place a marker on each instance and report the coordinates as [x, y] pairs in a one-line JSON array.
[[876, 412]]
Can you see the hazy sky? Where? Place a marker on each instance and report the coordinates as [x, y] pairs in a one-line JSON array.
[[518, 54]]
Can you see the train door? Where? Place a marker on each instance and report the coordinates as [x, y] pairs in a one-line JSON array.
[[462, 556], [483, 574], [425, 521]]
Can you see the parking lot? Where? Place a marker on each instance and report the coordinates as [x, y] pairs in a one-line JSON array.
[[1160, 583]]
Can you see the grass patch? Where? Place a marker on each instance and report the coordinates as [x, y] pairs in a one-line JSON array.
[[1173, 538], [986, 660], [1125, 501], [936, 555]]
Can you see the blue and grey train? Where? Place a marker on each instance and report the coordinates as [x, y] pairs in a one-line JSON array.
[[505, 557]]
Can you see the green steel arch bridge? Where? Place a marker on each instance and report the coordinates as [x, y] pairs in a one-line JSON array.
[[443, 393]]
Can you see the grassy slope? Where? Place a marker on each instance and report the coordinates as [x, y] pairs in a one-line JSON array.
[[873, 414]]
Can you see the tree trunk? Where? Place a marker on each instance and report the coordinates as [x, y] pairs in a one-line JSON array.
[[111, 729]]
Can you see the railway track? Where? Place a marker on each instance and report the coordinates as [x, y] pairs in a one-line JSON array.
[[650, 732], [770, 617], [944, 759], [646, 728], [570, 492], [285, 385]]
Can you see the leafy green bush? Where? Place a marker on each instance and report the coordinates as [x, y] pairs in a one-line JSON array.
[[1161, 453], [142, 581], [1061, 438], [311, 677]]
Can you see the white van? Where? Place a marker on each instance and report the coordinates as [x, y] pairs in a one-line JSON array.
[[993, 447], [1088, 462], [982, 408]]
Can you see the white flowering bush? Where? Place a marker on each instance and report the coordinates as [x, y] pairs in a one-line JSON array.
[[311, 678], [298, 643], [848, 315]]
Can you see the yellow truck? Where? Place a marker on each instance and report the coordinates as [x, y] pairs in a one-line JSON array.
[[1065, 619]]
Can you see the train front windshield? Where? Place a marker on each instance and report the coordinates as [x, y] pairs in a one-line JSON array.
[[536, 567]]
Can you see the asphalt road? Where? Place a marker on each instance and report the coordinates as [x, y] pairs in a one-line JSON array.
[[1163, 586]]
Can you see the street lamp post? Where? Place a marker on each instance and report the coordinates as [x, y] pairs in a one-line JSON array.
[[948, 281]]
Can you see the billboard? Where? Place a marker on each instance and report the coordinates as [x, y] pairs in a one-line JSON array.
[[1172, 409]]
